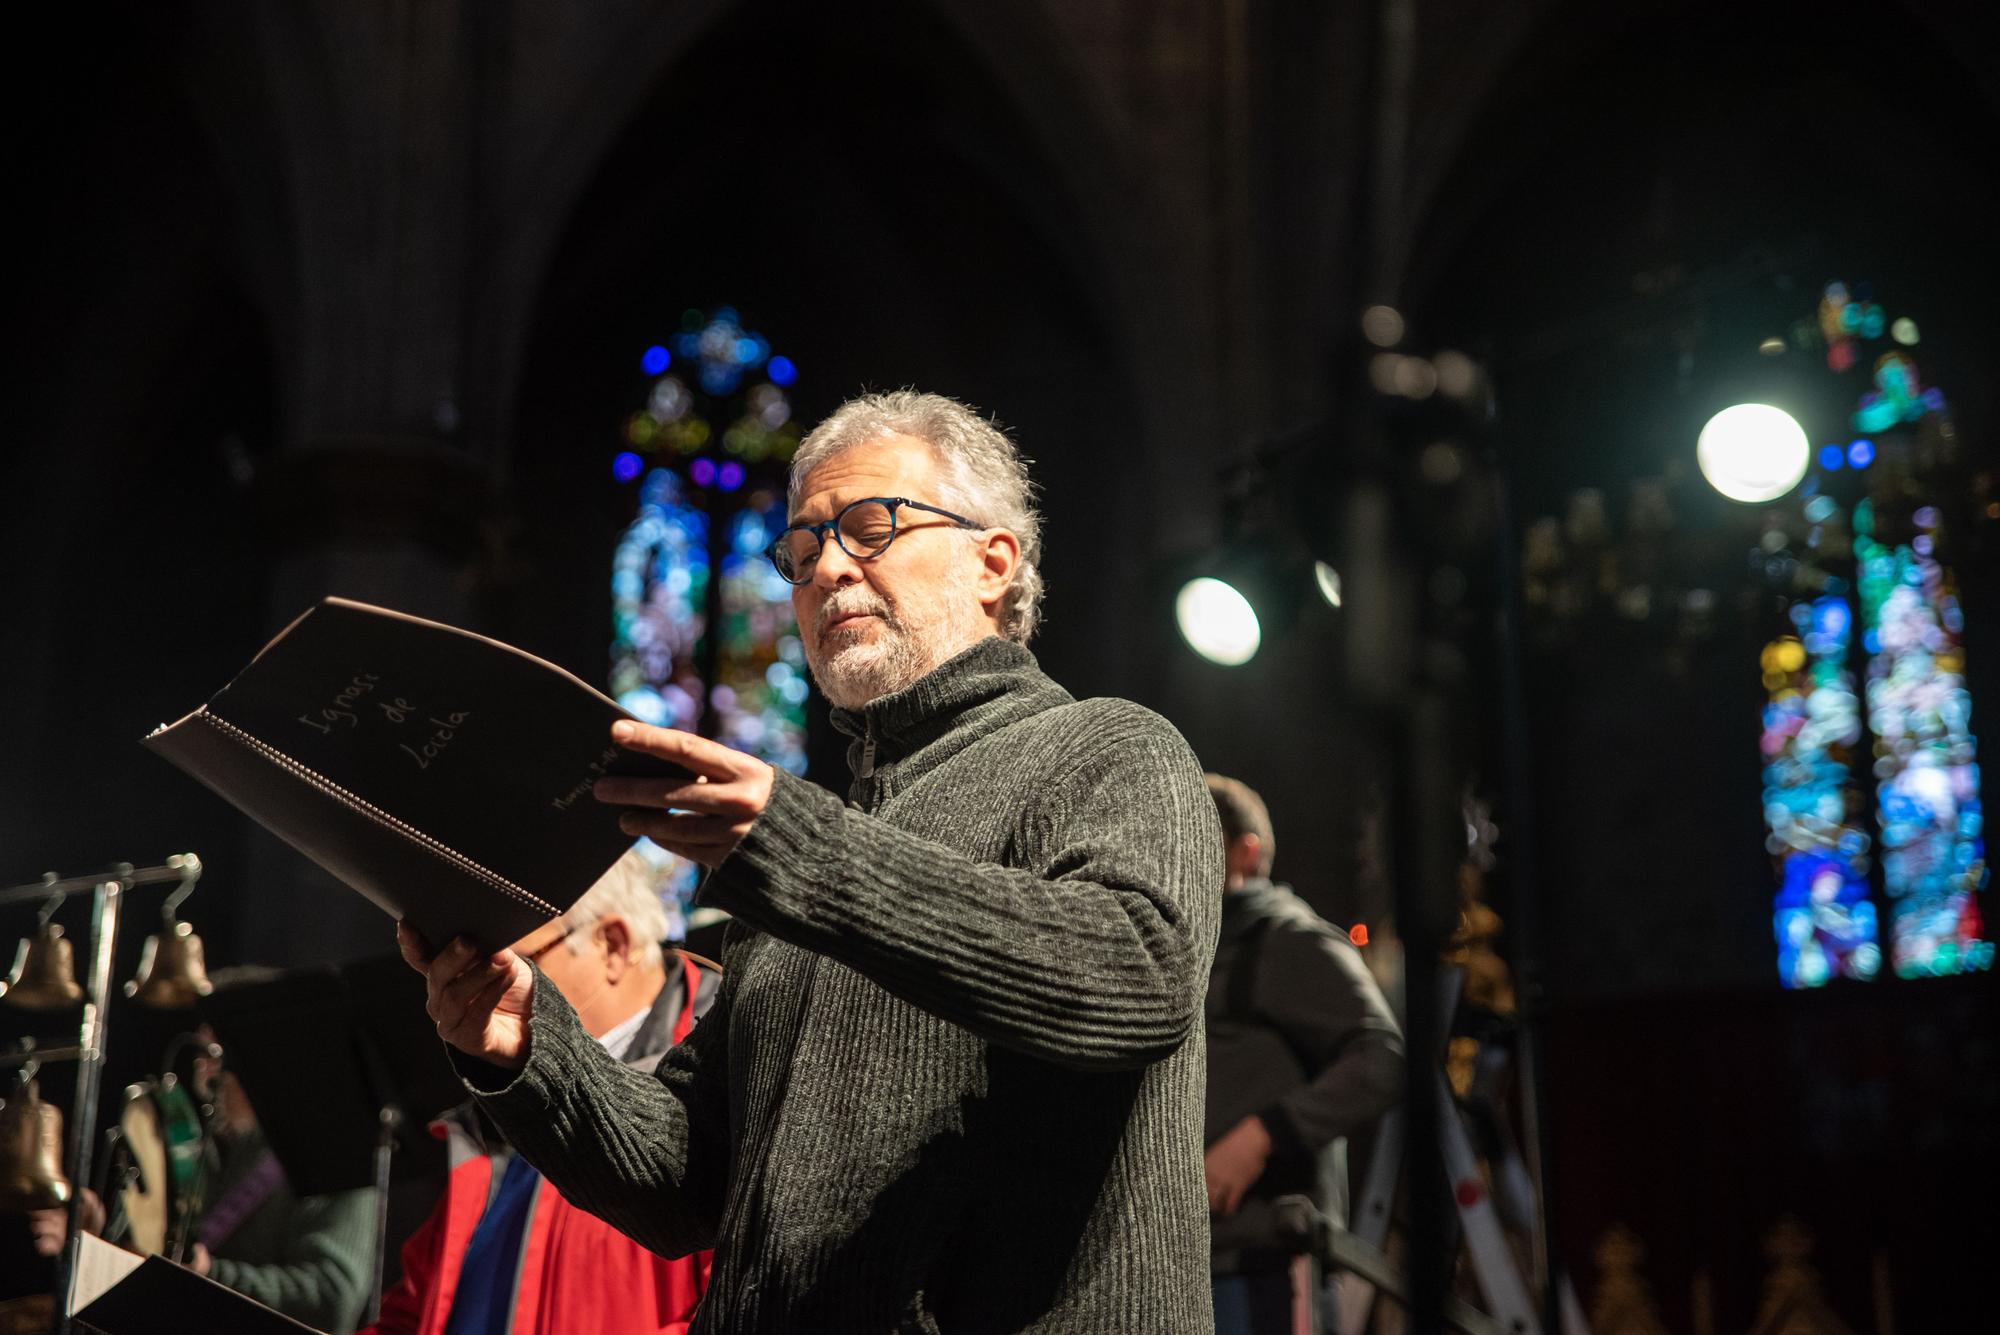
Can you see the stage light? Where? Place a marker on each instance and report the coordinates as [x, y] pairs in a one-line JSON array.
[[703, 472], [781, 371], [626, 466], [1772, 347], [656, 360], [1861, 453], [1904, 331], [1328, 580], [1382, 326], [1753, 452], [1831, 457], [1217, 621], [1458, 375]]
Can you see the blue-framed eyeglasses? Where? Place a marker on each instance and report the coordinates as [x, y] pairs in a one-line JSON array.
[[864, 529]]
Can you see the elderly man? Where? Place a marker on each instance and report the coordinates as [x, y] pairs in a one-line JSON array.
[[503, 1251], [953, 1081]]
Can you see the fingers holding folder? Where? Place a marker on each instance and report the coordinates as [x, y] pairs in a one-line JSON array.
[[479, 1001]]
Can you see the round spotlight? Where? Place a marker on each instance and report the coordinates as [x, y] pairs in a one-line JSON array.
[[1328, 580], [1217, 622], [1753, 452], [1382, 326]]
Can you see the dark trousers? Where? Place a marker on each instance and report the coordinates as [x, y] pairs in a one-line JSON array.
[[1257, 1304]]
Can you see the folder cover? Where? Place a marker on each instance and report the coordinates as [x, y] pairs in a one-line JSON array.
[[444, 775]]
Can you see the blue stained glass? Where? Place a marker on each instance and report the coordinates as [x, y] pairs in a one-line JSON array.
[[1927, 788], [1822, 920], [750, 535], [667, 604]]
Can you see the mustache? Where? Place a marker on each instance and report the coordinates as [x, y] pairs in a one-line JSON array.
[[847, 602]]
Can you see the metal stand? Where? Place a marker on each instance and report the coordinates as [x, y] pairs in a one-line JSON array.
[[389, 1119], [107, 898], [1325, 1246], [1509, 1294]]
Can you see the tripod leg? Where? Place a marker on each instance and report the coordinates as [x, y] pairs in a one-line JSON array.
[[1492, 1261], [1355, 1295], [1305, 1295]]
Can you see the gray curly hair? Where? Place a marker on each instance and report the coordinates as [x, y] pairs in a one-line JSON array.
[[981, 474]]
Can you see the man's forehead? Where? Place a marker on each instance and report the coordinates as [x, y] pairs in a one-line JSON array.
[[887, 466]]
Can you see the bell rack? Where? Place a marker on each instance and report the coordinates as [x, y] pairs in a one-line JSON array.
[[107, 898]]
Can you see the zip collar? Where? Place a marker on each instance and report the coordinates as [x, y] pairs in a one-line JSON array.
[[974, 694]]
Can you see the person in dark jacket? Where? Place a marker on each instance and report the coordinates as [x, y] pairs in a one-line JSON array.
[[1303, 1050], [953, 1079]]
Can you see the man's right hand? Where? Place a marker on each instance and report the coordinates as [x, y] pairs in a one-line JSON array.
[[480, 1002]]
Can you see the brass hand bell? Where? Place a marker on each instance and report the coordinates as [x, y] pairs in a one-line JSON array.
[[31, 1175], [172, 971], [44, 973]]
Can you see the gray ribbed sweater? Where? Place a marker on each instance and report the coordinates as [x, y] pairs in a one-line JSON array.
[[953, 1081]]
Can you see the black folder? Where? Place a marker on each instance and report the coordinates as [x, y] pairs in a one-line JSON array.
[[444, 775], [161, 1298]]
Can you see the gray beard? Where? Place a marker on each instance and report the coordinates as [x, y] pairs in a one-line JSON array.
[[860, 674], [911, 642]]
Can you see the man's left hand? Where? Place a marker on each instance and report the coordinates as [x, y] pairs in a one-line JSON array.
[[702, 819], [1234, 1163]]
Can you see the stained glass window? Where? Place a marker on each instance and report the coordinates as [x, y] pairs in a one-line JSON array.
[[1927, 781], [1925, 815], [1825, 920], [702, 632]]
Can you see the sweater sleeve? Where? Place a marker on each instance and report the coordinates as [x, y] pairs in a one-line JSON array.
[[1095, 959], [321, 1277], [1316, 991], [648, 1154]]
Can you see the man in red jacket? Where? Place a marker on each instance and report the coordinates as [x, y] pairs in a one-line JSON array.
[[503, 1253]]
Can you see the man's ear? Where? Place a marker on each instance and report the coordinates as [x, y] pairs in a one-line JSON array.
[[999, 558], [617, 946], [1245, 852]]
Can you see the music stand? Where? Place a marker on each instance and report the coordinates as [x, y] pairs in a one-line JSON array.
[[336, 1060]]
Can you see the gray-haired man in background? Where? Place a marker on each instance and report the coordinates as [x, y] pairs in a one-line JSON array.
[[954, 1077]]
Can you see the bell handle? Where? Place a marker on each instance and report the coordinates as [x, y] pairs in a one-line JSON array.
[[189, 867]]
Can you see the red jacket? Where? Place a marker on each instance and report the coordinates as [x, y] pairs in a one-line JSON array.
[[579, 1275]]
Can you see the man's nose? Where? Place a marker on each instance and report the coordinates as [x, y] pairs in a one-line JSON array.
[[835, 568]]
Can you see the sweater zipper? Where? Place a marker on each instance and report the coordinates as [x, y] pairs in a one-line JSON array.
[[861, 794]]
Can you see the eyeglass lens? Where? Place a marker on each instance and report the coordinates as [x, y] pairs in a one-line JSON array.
[[864, 530]]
